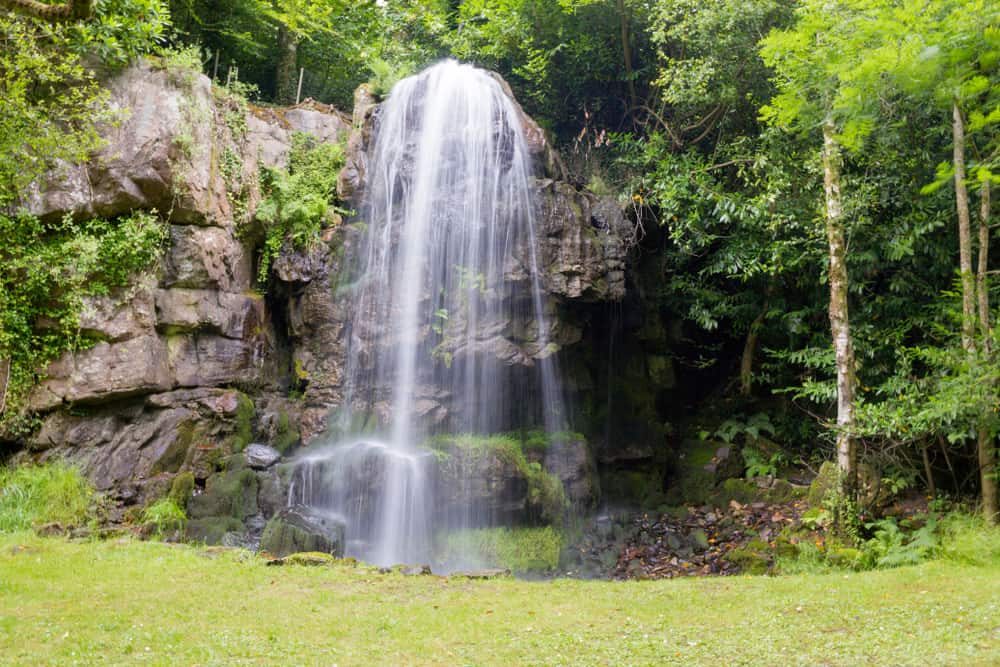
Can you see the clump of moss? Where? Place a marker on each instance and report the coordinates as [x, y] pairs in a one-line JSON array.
[[228, 494], [287, 436], [754, 558], [517, 549], [181, 489], [739, 490], [244, 423]]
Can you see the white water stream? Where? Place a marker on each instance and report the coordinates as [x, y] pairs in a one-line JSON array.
[[448, 327]]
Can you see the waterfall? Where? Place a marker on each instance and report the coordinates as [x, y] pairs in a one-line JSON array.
[[448, 330]]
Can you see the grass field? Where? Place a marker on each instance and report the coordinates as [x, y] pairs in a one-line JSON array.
[[133, 602]]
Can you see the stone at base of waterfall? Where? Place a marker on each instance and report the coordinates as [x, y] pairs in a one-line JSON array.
[[297, 530], [481, 574], [261, 457]]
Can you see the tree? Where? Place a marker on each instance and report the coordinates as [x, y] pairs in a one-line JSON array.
[[810, 60]]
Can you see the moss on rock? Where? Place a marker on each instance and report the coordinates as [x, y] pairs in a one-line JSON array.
[[182, 489], [294, 531]]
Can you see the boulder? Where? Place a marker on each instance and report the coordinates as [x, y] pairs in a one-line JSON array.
[[105, 372], [581, 242], [269, 130], [205, 258], [126, 313], [297, 529], [261, 457], [230, 315], [570, 461], [157, 156]]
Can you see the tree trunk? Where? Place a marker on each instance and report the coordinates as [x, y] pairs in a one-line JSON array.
[[627, 55], [964, 231], [287, 69], [985, 442], [929, 472], [840, 326], [982, 270], [749, 350]]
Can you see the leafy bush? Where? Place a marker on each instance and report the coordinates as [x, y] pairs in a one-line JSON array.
[[164, 515], [35, 495], [516, 549], [298, 202], [48, 269]]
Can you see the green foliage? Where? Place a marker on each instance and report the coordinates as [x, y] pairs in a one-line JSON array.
[[49, 269], [386, 74], [889, 546], [35, 495], [515, 549], [760, 465], [121, 30], [164, 515], [750, 428], [298, 204]]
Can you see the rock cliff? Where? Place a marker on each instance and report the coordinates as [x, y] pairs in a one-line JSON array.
[[194, 362]]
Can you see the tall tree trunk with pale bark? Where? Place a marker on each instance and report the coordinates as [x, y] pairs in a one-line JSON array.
[[985, 441], [840, 326], [964, 232]]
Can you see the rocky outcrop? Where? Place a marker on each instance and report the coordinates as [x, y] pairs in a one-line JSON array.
[[192, 363], [189, 362]]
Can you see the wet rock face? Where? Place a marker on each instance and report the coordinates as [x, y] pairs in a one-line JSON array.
[[157, 397], [298, 530]]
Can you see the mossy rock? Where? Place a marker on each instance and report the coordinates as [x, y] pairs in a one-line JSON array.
[[826, 482], [739, 490], [228, 494], [784, 547], [245, 412], [295, 530], [754, 558], [181, 489], [287, 436], [782, 491], [306, 558], [212, 530], [694, 487]]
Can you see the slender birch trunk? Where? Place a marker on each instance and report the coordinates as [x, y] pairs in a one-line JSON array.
[[964, 232], [839, 319], [985, 442]]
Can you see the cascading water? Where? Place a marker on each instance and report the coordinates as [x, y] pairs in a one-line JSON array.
[[448, 330]]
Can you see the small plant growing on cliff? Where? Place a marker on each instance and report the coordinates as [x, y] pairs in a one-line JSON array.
[[299, 202], [48, 270], [164, 515]]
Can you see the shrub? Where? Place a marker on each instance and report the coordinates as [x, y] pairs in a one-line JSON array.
[[164, 515], [35, 495]]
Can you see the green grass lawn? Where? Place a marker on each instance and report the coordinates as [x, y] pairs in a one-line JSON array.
[[144, 602]]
